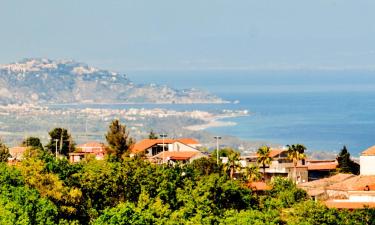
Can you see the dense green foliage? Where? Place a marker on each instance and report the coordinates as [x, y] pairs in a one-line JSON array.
[[264, 158], [4, 152], [42, 190], [296, 152], [346, 164], [152, 135], [123, 190], [63, 139], [118, 140], [33, 142]]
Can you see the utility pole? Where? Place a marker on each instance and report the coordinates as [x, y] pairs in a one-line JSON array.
[[61, 139], [217, 148], [56, 140]]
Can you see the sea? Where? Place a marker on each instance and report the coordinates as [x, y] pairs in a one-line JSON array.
[[324, 110]]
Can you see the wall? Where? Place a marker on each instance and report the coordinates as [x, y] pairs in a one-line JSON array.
[[367, 165]]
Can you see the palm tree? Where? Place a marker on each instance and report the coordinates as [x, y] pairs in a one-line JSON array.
[[296, 152], [252, 173], [233, 164], [264, 158]]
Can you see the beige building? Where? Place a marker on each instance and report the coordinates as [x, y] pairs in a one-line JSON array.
[[280, 165]]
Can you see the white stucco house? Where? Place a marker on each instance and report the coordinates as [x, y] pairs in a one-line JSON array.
[[367, 161]]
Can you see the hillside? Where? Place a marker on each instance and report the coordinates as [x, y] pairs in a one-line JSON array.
[[65, 81]]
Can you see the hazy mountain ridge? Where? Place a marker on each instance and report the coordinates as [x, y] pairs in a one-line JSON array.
[[67, 81]]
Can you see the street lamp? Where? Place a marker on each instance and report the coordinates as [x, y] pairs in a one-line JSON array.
[[163, 135], [217, 148]]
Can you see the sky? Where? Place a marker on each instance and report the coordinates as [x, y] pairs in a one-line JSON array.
[[126, 35]]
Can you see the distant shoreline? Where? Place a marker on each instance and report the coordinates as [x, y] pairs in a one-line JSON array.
[[136, 103], [211, 124]]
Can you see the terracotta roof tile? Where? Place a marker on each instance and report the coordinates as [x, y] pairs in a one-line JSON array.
[[259, 186], [17, 152], [369, 187], [353, 183], [369, 151], [91, 144], [148, 143], [322, 166], [92, 147], [273, 152], [188, 141], [322, 183], [176, 155]]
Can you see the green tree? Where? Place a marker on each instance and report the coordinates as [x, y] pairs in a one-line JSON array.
[[122, 214], [204, 166], [296, 153], [256, 217], [314, 213], [33, 142], [4, 152], [346, 164], [233, 164], [20, 204], [152, 135], [65, 143], [251, 173], [264, 158], [118, 140], [284, 193]]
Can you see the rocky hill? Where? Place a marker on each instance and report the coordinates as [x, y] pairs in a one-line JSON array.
[[64, 81]]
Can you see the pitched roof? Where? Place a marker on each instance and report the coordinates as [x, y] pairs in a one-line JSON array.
[[148, 143], [344, 204], [321, 183], [176, 155], [92, 147], [321, 165], [188, 141], [353, 183], [273, 153], [369, 151], [276, 152], [319, 187], [91, 144], [17, 150]]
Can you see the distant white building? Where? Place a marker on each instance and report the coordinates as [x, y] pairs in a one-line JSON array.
[[367, 161]]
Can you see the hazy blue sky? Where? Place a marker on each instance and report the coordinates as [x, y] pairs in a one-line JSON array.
[[195, 34]]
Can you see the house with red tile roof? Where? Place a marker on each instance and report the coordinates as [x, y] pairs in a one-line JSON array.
[[163, 150], [97, 149], [319, 169], [152, 147], [174, 157]]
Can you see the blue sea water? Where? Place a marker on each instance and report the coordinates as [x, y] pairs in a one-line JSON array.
[[324, 110]]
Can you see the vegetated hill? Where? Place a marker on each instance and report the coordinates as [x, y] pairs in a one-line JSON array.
[[66, 81]]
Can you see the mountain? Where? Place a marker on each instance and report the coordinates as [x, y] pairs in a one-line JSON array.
[[66, 81]]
